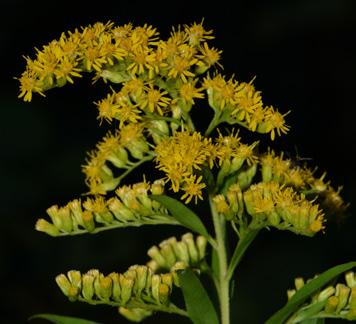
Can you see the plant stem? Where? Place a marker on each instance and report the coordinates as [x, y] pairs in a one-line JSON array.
[[223, 281]]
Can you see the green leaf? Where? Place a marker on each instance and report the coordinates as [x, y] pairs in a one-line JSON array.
[[182, 214], [59, 319], [308, 289], [199, 306], [314, 321]]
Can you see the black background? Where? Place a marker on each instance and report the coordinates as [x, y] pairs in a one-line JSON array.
[[303, 54]]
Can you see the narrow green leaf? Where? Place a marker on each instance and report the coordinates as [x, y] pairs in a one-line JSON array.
[[199, 306], [59, 319], [240, 250], [314, 321], [304, 293], [182, 214]]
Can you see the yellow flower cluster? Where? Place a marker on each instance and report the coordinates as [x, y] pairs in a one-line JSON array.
[[336, 301], [119, 53], [131, 206], [270, 204], [240, 103], [118, 149], [179, 156], [286, 172]]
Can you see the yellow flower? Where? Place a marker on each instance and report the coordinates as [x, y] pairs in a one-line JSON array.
[[275, 122], [66, 70], [193, 189], [196, 33], [107, 108], [188, 92], [29, 84], [179, 67], [142, 58], [209, 56], [154, 100]]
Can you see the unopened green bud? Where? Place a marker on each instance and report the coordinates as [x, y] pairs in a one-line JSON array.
[[43, 226], [116, 289], [188, 239], [64, 214], [236, 164], [299, 283], [266, 172], [291, 293], [88, 286], [73, 293], [326, 293], [351, 315], [201, 243], [163, 294], [155, 285], [119, 157], [75, 278], [183, 254], [352, 301], [167, 278], [137, 148], [342, 292], [350, 279], [76, 209], [53, 214], [63, 283], [141, 276], [106, 174], [159, 130], [156, 255], [331, 305], [175, 269], [105, 288], [126, 289], [135, 314], [168, 255], [153, 265], [88, 221], [157, 188], [104, 217], [245, 178], [273, 218], [120, 211]]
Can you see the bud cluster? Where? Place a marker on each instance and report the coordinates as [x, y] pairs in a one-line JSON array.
[[338, 301], [137, 285], [131, 206], [173, 255]]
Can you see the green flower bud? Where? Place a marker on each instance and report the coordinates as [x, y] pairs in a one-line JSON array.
[[105, 288], [157, 188], [331, 305], [119, 157], [342, 292], [73, 293], [193, 252], [88, 221], [273, 218], [352, 301], [299, 283], [43, 226], [168, 254], [153, 265], [167, 278], [88, 286], [75, 278], [350, 279], [137, 148], [76, 210], [155, 286], [163, 294], [120, 211], [116, 289], [53, 214], [141, 277], [245, 178], [63, 283], [201, 243], [183, 253], [291, 293], [326, 293], [266, 172], [156, 255], [126, 289]]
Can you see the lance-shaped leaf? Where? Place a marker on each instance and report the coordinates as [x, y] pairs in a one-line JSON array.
[[199, 306], [59, 319]]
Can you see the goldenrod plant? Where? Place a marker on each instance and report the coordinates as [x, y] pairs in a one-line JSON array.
[[153, 86]]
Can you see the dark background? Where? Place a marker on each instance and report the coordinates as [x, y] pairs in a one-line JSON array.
[[303, 54]]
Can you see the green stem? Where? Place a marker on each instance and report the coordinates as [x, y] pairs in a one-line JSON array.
[[245, 240], [116, 224], [170, 308], [213, 123], [223, 281]]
